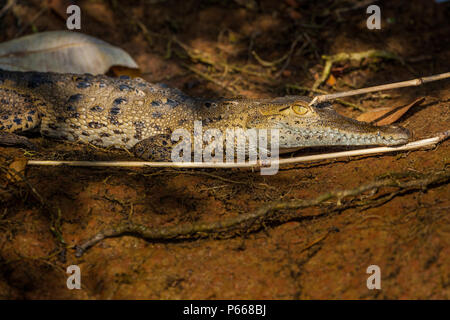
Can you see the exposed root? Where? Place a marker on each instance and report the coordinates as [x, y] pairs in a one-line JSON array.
[[267, 214]]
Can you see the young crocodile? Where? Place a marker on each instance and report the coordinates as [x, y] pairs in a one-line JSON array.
[[140, 116]]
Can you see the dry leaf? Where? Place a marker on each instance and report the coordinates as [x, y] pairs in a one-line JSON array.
[[331, 80], [63, 52], [387, 115], [17, 166], [117, 71]]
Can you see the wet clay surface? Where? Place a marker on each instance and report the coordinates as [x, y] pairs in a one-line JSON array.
[[317, 256]]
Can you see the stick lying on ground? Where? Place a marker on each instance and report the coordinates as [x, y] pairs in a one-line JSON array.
[[269, 213], [410, 146], [402, 84]]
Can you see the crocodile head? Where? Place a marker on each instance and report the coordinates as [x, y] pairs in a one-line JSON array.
[[301, 125]]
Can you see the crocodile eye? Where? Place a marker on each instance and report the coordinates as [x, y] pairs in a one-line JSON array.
[[301, 110]]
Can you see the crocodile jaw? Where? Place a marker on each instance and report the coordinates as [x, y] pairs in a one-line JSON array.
[[326, 135]]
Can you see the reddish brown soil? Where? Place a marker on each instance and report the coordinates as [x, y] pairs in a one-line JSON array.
[[408, 237]]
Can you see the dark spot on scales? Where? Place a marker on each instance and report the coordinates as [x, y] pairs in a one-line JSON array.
[[119, 101], [17, 120], [139, 124], [97, 109], [5, 117], [206, 121], [83, 85], [157, 115], [113, 120], [71, 108], [172, 103], [37, 80], [95, 125], [104, 134], [75, 98], [124, 77], [124, 87], [114, 111], [156, 103], [117, 131]]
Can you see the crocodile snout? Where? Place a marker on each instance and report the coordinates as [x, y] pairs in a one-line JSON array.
[[394, 135]]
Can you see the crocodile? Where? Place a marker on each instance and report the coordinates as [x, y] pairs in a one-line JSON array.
[[141, 116]]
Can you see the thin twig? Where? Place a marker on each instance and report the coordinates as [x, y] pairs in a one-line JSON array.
[[32, 21], [7, 6], [20, 177], [395, 85], [343, 102], [287, 56], [210, 78], [205, 58], [55, 227], [410, 146], [330, 60]]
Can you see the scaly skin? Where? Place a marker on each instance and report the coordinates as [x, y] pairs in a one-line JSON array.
[[140, 116]]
